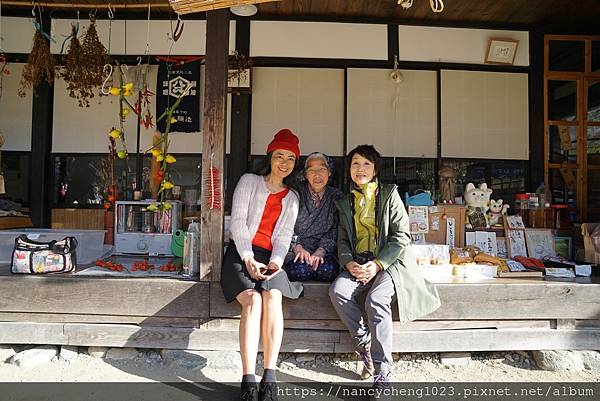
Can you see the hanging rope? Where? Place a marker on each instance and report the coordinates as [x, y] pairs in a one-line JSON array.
[[111, 16], [396, 78]]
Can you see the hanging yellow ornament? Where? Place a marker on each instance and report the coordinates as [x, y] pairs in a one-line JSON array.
[[115, 134]]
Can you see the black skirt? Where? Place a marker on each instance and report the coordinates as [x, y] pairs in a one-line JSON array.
[[235, 277]]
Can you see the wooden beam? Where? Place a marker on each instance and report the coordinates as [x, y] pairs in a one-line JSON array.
[[239, 153], [496, 300], [41, 171], [151, 297], [213, 139], [207, 338]]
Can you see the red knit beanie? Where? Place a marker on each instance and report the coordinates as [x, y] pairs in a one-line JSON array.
[[286, 140]]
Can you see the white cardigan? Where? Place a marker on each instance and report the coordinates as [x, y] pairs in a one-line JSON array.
[[247, 208]]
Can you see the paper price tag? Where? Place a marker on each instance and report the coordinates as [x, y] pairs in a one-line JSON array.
[[451, 232]]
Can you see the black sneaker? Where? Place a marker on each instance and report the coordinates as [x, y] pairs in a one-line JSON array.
[[268, 391], [381, 382], [364, 352], [249, 392]]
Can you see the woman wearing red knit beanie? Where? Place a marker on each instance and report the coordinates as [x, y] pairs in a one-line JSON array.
[[263, 214]]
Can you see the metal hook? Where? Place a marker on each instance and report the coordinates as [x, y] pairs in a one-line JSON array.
[[139, 61], [111, 12], [178, 29], [108, 70], [124, 69]]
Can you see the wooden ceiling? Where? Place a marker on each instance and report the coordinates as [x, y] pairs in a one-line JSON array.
[[556, 13]]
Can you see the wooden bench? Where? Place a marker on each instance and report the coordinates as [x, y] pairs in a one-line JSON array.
[[501, 314]]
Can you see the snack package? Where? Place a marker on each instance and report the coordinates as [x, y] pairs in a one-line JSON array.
[[483, 257], [460, 256]]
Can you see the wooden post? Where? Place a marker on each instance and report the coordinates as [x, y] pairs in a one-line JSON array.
[[41, 171], [239, 153], [213, 139]]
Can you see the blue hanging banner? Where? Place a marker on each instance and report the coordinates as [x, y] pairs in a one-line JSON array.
[[172, 82]]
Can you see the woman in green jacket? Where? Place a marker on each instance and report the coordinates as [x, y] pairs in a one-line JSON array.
[[374, 250]]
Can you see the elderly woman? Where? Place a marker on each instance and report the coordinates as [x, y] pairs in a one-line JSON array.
[[313, 254]]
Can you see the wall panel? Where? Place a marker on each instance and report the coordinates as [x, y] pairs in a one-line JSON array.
[[129, 36], [485, 115], [17, 33], [15, 112], [309, 101], [318, 40], [455, 45], [85, 130], [398, 119]]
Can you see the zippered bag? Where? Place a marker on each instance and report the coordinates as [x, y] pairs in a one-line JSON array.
[[33, 257]]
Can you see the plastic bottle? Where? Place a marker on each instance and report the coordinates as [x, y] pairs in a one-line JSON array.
[[191, 250], [544, 196], [522, 206]]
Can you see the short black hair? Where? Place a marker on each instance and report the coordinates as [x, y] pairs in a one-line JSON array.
[[368, 152]]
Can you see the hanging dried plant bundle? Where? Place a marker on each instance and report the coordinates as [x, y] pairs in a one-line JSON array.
[[94, 57], [74, 73], [39, 62]]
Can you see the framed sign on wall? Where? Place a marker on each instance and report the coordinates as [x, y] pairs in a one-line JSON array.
[[501, 51]]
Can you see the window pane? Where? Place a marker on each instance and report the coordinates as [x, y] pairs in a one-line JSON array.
[[15, 168], [593, 145], [79, 178], [505, 177], [593, 189], [595, 56], [562, 144], [567, 55], [563, 184], [593, 112], [562, 100]]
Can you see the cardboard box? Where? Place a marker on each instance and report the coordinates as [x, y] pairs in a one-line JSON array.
[[438, 228]]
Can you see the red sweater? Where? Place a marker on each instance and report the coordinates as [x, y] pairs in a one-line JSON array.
[[271, 213]]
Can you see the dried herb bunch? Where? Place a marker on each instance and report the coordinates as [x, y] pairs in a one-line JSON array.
[[39, 62], [74, 72], [93, 58]]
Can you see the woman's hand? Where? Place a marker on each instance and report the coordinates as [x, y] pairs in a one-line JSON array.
[[254, 268], [368, 271], [354, 268], [302, 255], [272, 270], [318, 257]]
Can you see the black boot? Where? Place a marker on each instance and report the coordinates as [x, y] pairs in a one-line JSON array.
[[249, 392], [267, 391]]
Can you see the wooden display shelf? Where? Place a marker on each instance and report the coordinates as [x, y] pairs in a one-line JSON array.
[[9, 222]]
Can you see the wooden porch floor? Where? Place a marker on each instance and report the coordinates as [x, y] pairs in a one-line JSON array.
[[498, 314]]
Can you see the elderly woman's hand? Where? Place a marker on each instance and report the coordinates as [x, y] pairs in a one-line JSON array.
[[302, 255], [318, 257]]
